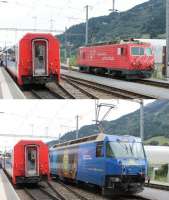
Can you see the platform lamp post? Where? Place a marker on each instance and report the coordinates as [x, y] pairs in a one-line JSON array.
[[77, 126], [87, 25], [113, 7], [142, 119], [167, 38], [87, 7], [141, 102]]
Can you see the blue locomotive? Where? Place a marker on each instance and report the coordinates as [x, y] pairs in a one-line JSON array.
[[117, 164]]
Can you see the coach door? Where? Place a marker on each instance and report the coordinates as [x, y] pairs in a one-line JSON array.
[[31, 161], [40, 57]]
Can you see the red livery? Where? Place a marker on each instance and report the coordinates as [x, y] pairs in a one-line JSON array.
[[28, 162], [126, 59], [36, 60]]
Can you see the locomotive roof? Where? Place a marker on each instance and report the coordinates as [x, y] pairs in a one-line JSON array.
[[97, 138], [131, 41]]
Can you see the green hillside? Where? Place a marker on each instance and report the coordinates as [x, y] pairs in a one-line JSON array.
[[156, 124], [159, 140], [146, 20]]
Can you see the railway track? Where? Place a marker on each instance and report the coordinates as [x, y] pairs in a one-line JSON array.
[[134, 198], [63, 192], [39, 194], [68, 90], [60, 90], [47, 92], [118, 93], [84, 194], [83, 90], [44, 94], [155, 186], [78, 195], [151, 82], [59, 191], [154, 83]]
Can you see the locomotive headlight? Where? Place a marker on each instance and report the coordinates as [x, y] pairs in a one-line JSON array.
[[115, 179]]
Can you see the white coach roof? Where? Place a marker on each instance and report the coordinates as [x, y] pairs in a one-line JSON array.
[[157, 155]]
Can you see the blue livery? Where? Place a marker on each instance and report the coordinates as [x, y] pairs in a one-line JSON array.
[[115, 163]]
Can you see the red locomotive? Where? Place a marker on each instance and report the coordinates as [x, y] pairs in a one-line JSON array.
[[28, 162], [127, 59], [36, 60]]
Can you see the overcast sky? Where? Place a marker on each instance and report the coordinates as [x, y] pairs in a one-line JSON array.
[[52, 117], [38, 13]]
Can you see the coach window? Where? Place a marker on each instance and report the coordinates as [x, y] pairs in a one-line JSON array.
[[100, 149]]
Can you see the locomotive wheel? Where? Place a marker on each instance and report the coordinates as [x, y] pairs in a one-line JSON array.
[[103, 191], [81, 69], [100, 71], [91, 70]]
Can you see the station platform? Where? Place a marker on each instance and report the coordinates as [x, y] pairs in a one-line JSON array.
[[8, 88], [154, 194], [7, 191], [159, 183], [147, 90], [166, 81]]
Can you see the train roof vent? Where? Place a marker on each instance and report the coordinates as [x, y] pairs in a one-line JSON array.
[[103, 43], [98, 137], [131, 40], [125, 41]]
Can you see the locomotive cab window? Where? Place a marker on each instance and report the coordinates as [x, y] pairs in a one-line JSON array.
[[100, 149], [122, 149], [120, 51], [109, 151], [137, 51], [148, 52]]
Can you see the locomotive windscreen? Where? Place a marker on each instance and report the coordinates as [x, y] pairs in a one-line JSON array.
[[137, 51], [125, 150]]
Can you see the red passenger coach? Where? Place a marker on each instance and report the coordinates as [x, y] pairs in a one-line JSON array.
[[36, 60], [125, 59], [28, 162]]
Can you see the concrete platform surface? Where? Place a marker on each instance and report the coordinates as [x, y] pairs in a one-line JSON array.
[[155, 194], [8, 88], [159, 183], [147, 90], [7, 191]]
